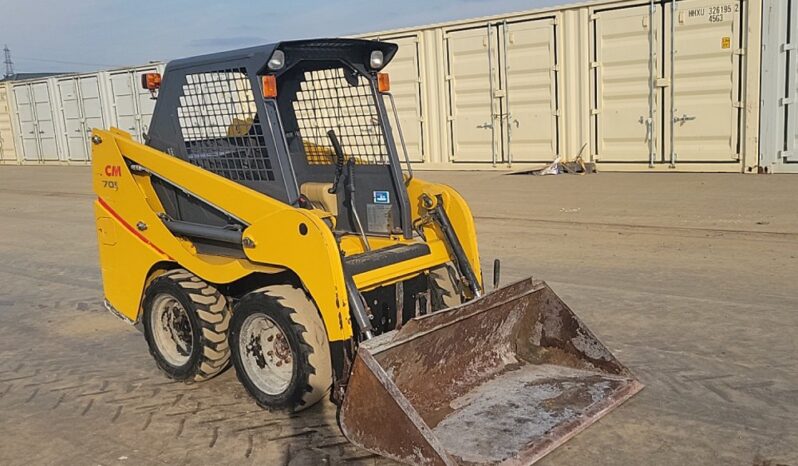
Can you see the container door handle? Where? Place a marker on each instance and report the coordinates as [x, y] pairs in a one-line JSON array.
[[647, 122]]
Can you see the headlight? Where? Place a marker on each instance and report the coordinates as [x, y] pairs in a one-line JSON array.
[[376, 60], [277, 60]]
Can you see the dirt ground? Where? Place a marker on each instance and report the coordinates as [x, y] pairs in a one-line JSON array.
[[689, 279]]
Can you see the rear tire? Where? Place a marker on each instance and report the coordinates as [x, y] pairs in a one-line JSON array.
[[443, 289], [185, 324], [280, 348]]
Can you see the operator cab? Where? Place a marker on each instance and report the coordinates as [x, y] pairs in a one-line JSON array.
[[304, 122]]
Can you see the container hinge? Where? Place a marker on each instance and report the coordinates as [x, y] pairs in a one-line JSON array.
[[662, 82], [595, 111], [738, 105], [595, 64], [555, 68], [594, 16], [786, 101], [556, 113], [787, 47], [740, 52], [787, 155], [555, 21], [735, 157]]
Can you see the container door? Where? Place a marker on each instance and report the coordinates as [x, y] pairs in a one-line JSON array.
[[7, 150], [472, 67], [791, 102], [626, 97], [27, 123], [45, 122], [124, 103], [91, 105], [529, 97], [406, 86], [72, 119], [706, 92]]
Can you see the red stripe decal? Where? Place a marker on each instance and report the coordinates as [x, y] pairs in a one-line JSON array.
[[130, 228]]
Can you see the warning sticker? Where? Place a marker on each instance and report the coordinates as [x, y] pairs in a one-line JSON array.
[[378, 218], [725, 43]]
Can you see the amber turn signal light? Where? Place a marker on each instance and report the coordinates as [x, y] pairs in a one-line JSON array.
[[151, 81], [383, 82], [269, 86]]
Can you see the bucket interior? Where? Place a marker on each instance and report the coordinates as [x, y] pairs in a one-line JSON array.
[[511, 375]]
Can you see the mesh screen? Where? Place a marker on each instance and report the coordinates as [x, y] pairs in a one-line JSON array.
[[218, 121], [325, 101]]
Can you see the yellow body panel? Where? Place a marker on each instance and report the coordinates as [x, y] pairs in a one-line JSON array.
[[459, 214], [125, 260], [134, 243]]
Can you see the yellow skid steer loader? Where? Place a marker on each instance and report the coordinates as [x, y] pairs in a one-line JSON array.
[[268, 221]]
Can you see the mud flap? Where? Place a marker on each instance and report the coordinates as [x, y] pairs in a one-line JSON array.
[[505, 378]]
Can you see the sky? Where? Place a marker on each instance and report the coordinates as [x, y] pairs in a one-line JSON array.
[[87, 35]]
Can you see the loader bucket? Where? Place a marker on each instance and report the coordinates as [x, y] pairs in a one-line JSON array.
[[505, 378]]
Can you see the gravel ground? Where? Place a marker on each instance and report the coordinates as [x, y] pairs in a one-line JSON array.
[[689, 279]]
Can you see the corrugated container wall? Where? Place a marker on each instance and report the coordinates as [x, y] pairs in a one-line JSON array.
[[779, 125], [8, 152], [631, 85], [34, 121], [80, 108], [130, 105], [53, 117]]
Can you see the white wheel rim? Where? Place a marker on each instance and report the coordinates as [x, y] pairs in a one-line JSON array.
[[266, 354], [171, 329]]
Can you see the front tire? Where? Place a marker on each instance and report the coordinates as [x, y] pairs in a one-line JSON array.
[[280, 348], [185, 324]]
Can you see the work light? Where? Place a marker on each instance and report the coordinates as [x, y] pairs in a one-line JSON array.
[[277, 60], [376, 60]]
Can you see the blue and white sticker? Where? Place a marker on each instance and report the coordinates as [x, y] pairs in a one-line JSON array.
[[382, 197]]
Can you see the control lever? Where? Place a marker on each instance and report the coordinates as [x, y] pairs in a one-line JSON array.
[[497, 267], [350, 190], [339, 160]]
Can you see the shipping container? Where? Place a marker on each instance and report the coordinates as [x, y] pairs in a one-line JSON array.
[[501, 89], [630, 85], [80, 108], [667, 84], [52, 117], [131, 105], [8, 154], [779, 113], [35, 123]]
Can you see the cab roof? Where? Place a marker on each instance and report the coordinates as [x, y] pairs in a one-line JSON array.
[[354, 50]]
